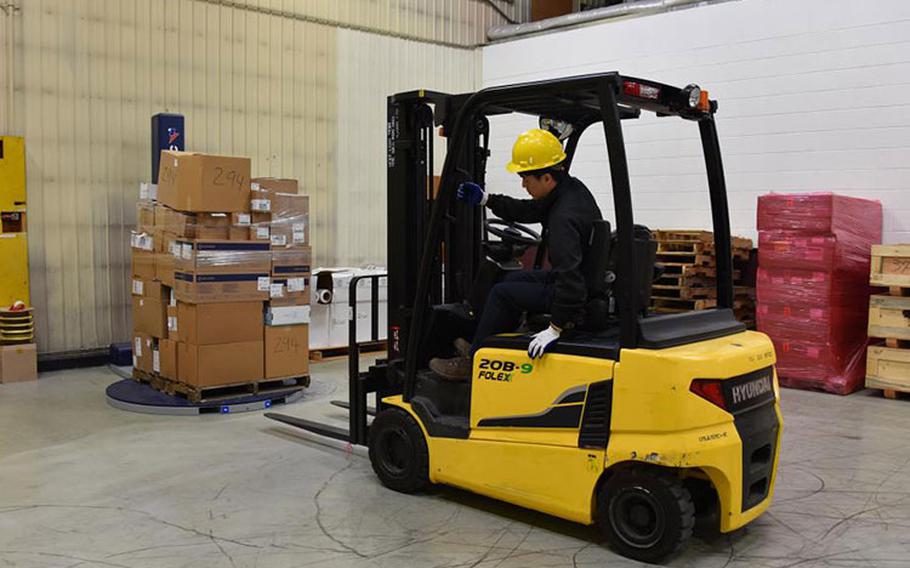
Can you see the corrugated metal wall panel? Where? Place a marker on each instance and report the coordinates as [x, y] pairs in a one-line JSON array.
[[369, 68], [250, 82]]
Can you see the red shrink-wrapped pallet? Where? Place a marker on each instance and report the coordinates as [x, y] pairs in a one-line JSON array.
[[813, 286]]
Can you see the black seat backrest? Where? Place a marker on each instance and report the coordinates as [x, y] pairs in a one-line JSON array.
[[645, 256], [596, 259]]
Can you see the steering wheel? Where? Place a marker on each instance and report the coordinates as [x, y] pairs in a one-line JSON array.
[[512, 233]]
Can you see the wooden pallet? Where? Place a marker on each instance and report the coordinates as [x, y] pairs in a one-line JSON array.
[[888, 368], [218, 392], [669, 305], [679, 258], [890, 265], [682, 292], [684, 269], [685, 280], [889, 317], [323, 353]]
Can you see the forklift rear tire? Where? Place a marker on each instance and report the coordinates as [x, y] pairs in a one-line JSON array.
[[646, 515], [398, 451]]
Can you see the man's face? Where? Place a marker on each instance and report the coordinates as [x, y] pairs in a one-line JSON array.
[[538, 187]]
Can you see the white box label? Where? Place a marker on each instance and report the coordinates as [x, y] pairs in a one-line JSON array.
[[254, 186], [298, 227], [156, 362], [174, 249], [186, 251], [263, 284], [261, 204], [137, 348], [262, 232], [296, 284], [144, 191], [243, 219], [288, 315], [153, 191], [276, 291], [299, 237], [137, 287], [172, 323], [279, 240]]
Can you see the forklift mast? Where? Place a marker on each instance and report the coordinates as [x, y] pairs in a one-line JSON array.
[[412, 121]]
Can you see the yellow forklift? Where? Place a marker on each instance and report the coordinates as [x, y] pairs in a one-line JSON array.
[[635, 421]]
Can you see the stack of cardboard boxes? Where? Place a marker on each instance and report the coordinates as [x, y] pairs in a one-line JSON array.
[[205, 275]]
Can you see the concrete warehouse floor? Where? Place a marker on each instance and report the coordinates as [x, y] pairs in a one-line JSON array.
[[83, 484]]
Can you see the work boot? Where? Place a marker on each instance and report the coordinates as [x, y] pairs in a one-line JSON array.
[[454, 369], [463, 348]]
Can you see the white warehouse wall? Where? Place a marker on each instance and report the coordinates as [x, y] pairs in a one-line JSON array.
[[812, 97]]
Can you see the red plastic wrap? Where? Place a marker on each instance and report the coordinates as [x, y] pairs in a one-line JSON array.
[[789, 249], [821, 213], [832, 324], [811, 288], [808, 365]]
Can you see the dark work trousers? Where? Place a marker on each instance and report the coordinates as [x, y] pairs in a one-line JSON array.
[[523, 290]]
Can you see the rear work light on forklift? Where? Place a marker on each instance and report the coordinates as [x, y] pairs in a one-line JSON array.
[[710, 390], [633, 89]]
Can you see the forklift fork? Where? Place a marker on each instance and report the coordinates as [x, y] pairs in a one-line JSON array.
[[359, 384]]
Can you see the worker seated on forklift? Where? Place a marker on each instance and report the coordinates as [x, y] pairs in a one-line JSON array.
[[567, 210]]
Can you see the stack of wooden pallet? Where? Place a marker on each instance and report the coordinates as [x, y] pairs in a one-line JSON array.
[[690, 273], [888, 366]]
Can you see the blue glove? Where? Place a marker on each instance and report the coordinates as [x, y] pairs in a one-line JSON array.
[[472, 193], [541, 341]]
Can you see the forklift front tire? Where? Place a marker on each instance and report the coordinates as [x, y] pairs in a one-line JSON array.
[[398, 451], [645, 514]]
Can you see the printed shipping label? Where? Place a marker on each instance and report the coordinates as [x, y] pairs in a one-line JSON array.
[[156, 362], [279, 240], [276, 291], [243, 219], [262, 232], [296, 284], [172, 323], [261, 205], [263, 283], [298, 227], [137, 348], [299, 237], [186, 251], [137, 287]]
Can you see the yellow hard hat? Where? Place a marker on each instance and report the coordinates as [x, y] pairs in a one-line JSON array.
[[536, 149]]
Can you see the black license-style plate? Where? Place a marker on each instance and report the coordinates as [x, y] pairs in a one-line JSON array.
[[749, 390]]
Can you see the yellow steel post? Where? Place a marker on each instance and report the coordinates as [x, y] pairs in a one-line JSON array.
[[13, 222]]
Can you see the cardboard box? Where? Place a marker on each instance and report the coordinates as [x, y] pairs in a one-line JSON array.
[[145, 216], [220, 365], [240, 226], [150, 316], [150, 289], [18, 363], [221, 256], [287, 351], [239, 233], [290, 290], [142, 264], [142, 352], [290, 219], [174, 222], [164, 261], [208, 324], [277, 185], [292, 260], [188, 181], [172, 326], [167, 359], [227, 287], [260, 200]]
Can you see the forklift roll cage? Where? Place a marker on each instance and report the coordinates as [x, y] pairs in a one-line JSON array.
[[580, 101]]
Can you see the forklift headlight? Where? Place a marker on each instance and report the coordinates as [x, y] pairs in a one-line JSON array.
[[693, 95]]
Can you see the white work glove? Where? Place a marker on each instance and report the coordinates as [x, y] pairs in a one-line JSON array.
[[541, 341]]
